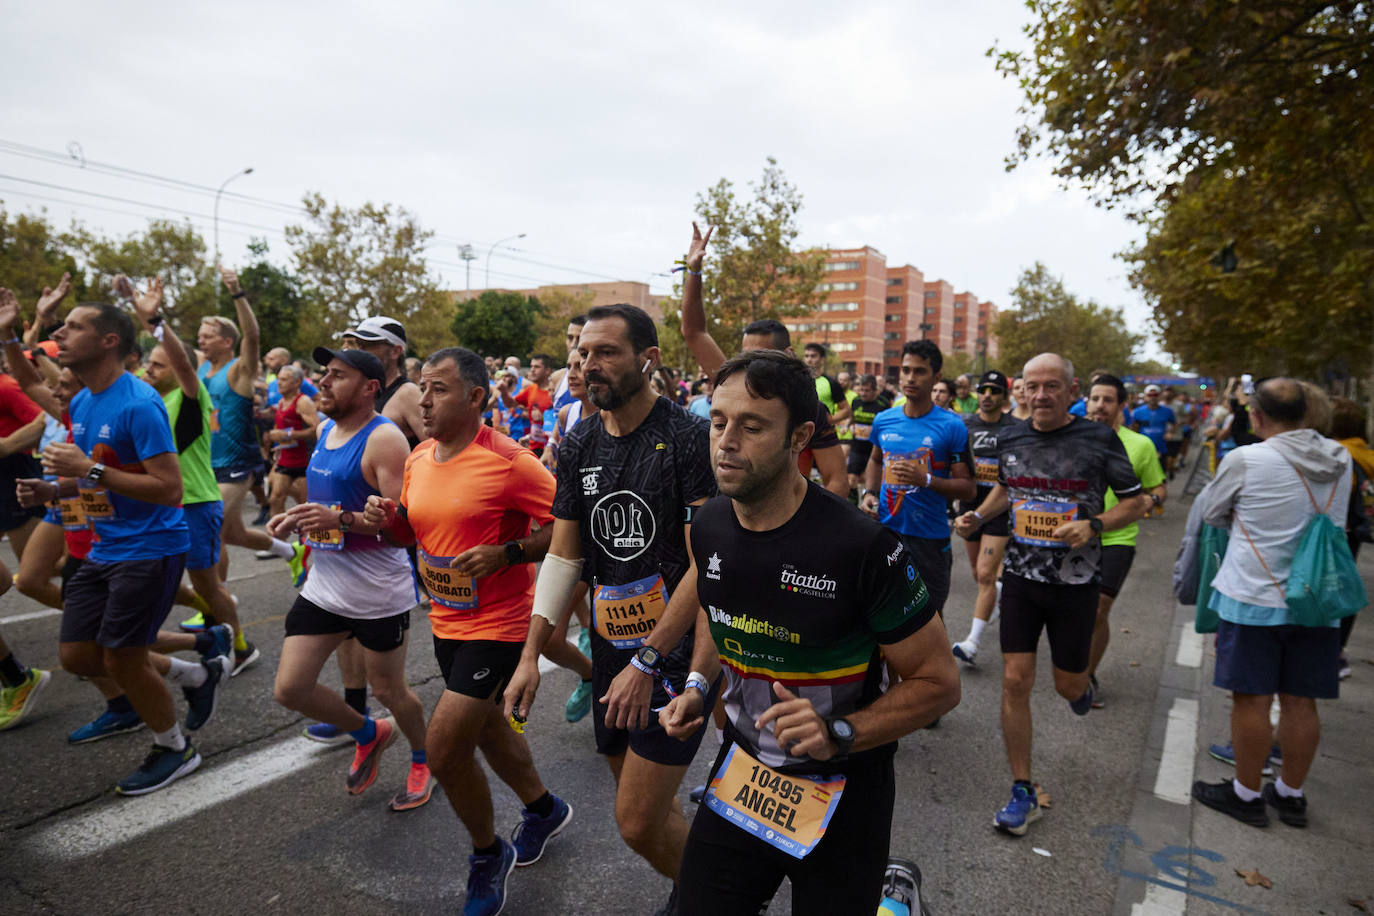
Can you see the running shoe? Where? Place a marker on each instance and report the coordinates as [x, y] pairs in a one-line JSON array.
[[1227, 755], [106, 725], [162, 767], [1098, 702], [325, 733], [579, 702], [966, 651], [265, 555], [902, 883], [1343, 669], [195, 623], [264, 513], [299, 567], [243, 660], [201, 701], [1020, 812], [15, 702], [487, 881], [419, 787], [362, 772], [670, 908], [1084, 703], [534, 832], [221, 641], [1292, 811], [1221, 796]]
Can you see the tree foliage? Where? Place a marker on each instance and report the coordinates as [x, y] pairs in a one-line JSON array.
[[559, 304], [33, 256], [498, 323], [1047, 318]]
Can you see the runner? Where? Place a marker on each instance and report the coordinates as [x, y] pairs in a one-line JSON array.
[[1053, 474], [475, 558], [21, 427], [537, 401], [293, 438], [399, 399], [562, 397], [941, 394], [828, 388], [1020, 407], [234, 451], [1156, 421], [1106, 400], [803, 786], [628, 479], [964, 401], [868, 403], [919, 459], [359, 587], [988, 542], [124, 466]]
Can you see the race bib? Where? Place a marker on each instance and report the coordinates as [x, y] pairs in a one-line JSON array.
[[786, 812], [625, 614], [1033, 521], [447, 587], [73, 515], [325, 538], [95, 503], [861, 430], [891, 458], [985, 470], [214, 420]]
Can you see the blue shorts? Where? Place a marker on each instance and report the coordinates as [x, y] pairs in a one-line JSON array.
[[1298, 661], [203, 521]]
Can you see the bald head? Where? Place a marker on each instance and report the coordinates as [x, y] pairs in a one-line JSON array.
[[1282, 404], [1053, 362], [276, 358], [1048, 387]]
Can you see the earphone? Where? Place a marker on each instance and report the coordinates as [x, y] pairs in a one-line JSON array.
[[647, 364]]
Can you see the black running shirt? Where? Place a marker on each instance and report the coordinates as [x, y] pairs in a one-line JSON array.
[[982, 443]]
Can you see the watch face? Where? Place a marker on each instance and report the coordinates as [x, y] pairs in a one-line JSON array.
[[842, 729], [648, 655]]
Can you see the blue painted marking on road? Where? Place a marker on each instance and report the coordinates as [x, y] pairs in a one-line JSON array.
[[1165, 859]]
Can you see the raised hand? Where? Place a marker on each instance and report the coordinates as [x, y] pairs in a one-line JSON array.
[[696, 252], [231, 280], [9, 313], [148, 304], [47, 303]]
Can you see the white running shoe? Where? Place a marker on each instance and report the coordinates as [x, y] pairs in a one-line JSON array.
[[966, 651]]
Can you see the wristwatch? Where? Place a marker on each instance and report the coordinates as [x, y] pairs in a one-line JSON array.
[[1096, 524], [515, 553], [96, 472], [842, 733], [346, 520], [649, 659]]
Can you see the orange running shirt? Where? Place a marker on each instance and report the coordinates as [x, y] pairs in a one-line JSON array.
[[486, 494]]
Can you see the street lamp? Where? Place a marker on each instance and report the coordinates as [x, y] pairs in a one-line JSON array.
[[247, 171], [493, 248]]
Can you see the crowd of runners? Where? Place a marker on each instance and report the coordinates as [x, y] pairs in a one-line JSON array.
[[764, 556]]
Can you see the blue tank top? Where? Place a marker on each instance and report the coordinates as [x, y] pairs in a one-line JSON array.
[[335, 478], [233, 437]]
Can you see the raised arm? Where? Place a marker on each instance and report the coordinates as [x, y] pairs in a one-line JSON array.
[[47, 309], [148, 307], [30, 382], [703, 346], [244, 372]]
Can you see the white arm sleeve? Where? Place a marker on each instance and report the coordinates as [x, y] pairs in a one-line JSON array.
[[557, 579]]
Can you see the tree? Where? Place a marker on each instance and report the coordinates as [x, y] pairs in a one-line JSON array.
[[1047, 318], [498, 323], [32, 257], [752, 270], [356, 263], [276, 299], [559, 305]]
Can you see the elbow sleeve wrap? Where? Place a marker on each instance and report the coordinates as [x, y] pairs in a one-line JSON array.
[[557, 578]]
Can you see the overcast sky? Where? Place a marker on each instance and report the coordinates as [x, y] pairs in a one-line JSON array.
[[591, 127]]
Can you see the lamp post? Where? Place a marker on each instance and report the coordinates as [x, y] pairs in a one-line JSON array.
[[493, 248], [247, 171]]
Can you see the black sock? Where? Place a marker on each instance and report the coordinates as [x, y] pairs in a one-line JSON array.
[[12, 674], [541, 806], [493, 850], [120, 705], [356, 697], [204, 642]]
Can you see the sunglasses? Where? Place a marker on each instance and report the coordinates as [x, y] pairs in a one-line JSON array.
[[988, 389]]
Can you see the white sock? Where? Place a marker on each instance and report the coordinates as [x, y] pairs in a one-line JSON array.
[[1246, 795], [720, 736], [975, 630], [171, 738], [282, 549], [1286, 790], [186, 674]]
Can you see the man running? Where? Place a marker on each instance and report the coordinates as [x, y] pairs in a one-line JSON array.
[[475, 558], [1106, 400], [868, 402], [828, 388], [537, 401], [988, 542], [804, 600], [918, 461], [1053, 475], [1156, 421], [628, 479], [234, 451], [399, 398], [358, 587]]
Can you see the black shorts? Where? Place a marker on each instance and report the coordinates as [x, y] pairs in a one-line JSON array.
[[997, 527], [239, 473], [293, 473], [120, 605], [1298, 661], [12, 469], [859, 452], [652, 743], [726, 871], [1067, 613], [934, 561], [478, 668], [380, 634], [1116, 563], [1172, 447], [69, 568]]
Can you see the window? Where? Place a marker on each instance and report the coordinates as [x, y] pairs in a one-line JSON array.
[[894, 281], [931, 294], [841, 265], [843, 347], [840, 326], [840, 306], [799, 327], [894, 317], [894, 300], [892, 335], [846, 286], [892, 354], [931, 310], [958, 319]]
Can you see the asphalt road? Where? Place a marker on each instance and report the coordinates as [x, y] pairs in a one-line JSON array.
[[266, 827]]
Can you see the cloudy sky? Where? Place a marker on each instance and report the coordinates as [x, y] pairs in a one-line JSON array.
[[590, 127]]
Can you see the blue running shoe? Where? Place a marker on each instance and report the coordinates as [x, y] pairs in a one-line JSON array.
[[223, 641], [1084, 703], [534, 831], [106, 725], [1227, 755], [161, 767], [487, 881], [325, 733], [1020, 812], [201, 701], [579, 702]]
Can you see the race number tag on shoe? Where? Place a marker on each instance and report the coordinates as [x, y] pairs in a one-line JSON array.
[[1033, 521], [985, 470], [625, 614], [95, 503], [787, 812], [447, 587], [73, 515], [325, 538]]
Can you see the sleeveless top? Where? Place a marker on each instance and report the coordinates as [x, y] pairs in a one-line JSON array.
[[197, 476], [290, 454], [385, 394], [357, 575], [233, 437]]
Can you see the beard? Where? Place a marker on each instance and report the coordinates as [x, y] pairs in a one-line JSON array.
[[617, 392]]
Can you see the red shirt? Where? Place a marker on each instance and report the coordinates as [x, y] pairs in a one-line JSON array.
[[535, 400], [16, 410]]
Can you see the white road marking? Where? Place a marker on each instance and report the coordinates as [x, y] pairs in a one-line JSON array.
[[1161, 901], [1174, 780], [1190, 644], [32, 615]]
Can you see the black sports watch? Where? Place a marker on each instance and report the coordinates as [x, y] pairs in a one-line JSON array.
[[96, 472], [346, 520], [1095, 524], [842, 733], [649, 657], [515, 553]]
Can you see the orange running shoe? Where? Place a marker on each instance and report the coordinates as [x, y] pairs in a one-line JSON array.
[[419, 786], [363, 771]]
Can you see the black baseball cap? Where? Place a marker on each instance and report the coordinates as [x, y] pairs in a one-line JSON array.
[[992, 379], [369, 365]]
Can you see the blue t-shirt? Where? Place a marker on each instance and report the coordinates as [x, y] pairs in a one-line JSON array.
[[1153, 423], [274, 396], [1079, 408], [939, 438], [701, 407], [121, 427]]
